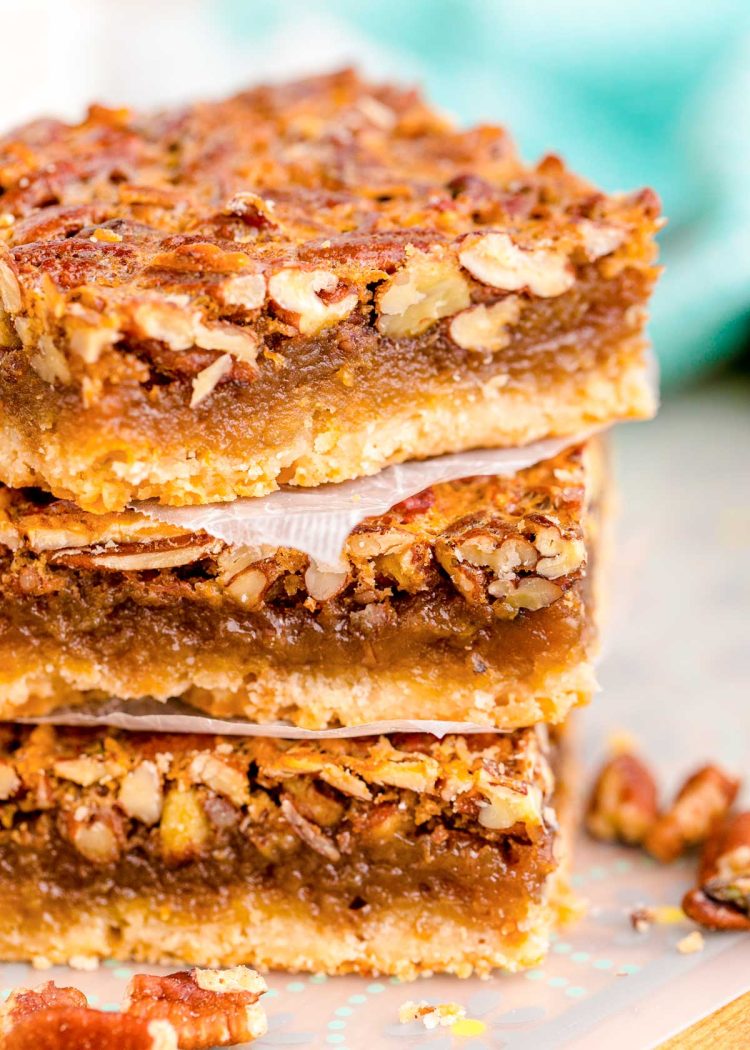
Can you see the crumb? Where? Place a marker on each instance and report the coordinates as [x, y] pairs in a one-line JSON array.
[[41, 962], [431, 1014], [642, 918], [622, 742], [694, 942], [83, 962]]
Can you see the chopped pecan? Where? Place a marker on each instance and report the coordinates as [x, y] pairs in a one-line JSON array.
[[701, 803], [486, 328], [253, 209], [431, 1014], [599, 238], [168, 553], [312, 803], [624, 803], [84, 770], [430, 286], [10, 289], [209, 378], [141, 793], [324, 583], [97, 834], [299, 294], [221, 777], [721, 901], [184, 830], [692, 943], [495, 260], [247, 291], [206, 1008], [10, 782], [309, 833]]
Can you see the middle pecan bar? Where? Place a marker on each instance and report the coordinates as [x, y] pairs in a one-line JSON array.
[[401, 854], [470, 601]]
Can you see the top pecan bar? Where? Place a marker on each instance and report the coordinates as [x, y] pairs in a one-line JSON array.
[[297, 285]]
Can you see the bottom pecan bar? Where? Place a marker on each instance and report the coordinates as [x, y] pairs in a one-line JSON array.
[[395, 855]]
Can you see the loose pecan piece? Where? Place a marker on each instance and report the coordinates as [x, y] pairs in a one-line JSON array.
[[701, 803], [52, 1018], [205, 1007], [721, 900], [623, 804]]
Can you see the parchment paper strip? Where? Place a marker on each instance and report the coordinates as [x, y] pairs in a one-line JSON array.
[[318, 520], [173, 716]]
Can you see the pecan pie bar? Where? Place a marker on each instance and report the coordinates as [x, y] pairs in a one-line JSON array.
[[470, 601], [297, 285], [395, 855]]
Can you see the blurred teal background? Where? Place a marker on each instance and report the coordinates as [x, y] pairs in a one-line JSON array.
[[631, 93]]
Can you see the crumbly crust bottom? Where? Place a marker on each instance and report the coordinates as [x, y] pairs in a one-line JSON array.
[[404, 943], [312, 699], [455, 420]]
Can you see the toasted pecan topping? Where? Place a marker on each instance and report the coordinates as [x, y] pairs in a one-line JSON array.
[[339, 201], [284, 795]]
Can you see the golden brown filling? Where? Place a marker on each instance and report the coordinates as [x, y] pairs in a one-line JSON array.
[[340, 826]]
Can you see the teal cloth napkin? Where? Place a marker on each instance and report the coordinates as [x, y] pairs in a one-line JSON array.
[[652, 92]]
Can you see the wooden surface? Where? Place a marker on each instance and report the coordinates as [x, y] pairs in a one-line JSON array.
[[727, 1029]]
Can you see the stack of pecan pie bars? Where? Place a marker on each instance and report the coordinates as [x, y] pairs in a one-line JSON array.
[[300, 285]]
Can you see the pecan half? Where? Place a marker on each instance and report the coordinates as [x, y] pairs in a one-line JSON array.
[[167, 553], [206, 1008], [52, 1018], [721, 901], [25, 1001], [623, 804], [701, 803]]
